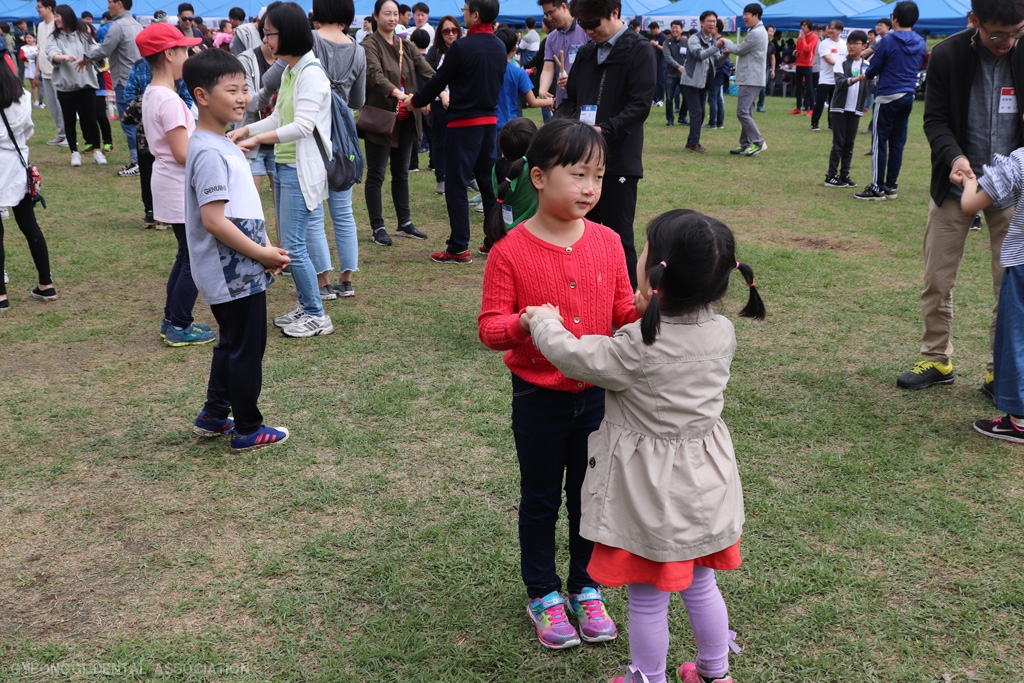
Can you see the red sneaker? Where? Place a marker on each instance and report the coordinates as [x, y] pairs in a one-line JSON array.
[[796, 111], [463, 257], [687, 673]]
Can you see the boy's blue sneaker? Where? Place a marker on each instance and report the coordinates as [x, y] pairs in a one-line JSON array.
[[264, 436], [595, 624], [165, 323], [189, 336], [206, 425]]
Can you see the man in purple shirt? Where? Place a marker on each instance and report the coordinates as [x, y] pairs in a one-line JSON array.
[[563, 43]]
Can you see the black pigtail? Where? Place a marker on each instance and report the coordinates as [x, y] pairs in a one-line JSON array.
[[755, 306], [650, 326], [494, 226]]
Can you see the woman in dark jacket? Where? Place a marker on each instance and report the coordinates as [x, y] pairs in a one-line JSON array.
[[388, 89], [448, 31]]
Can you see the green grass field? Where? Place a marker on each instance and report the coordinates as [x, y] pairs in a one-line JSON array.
[[883, 541]]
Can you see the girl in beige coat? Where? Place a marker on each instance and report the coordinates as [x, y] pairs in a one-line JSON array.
[[662, 499]]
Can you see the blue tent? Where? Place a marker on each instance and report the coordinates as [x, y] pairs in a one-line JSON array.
[[26, 9], [690, 11], [787, 15], [937, 16]]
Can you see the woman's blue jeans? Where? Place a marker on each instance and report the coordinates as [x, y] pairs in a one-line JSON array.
[[294, 223], [340, 206]]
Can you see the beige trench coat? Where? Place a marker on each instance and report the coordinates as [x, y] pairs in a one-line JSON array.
[[662, 480]]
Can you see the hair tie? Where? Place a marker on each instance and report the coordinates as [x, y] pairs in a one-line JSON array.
[[654, 291], [664, 265], [508, 180], [737, 265], [526, 160], [498, 200], [751, 285]]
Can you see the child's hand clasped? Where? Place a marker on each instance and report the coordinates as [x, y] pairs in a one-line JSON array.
[[274, 258], [531, 311]]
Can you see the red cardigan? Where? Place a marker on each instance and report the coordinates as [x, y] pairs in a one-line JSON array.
[[806, 49], [587, 281]]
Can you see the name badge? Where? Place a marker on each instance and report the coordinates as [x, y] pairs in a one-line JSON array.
[[572, 54], [682, 50], [1008, 101], [506, 214], [588, 114]]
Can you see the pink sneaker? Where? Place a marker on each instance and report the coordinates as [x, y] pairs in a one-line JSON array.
[[635, 675], [687, 673], [553, 628], [595, 624]]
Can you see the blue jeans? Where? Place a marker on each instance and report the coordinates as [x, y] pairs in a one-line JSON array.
[[551, 430], [294, 223], [340, 206], [716, 101], [1008, 361], [129, 131], [764, 90], [316, 241], [469, 155], [888, 140]]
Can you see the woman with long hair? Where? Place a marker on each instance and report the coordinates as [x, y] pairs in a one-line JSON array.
[[76, 88], [448, 31], [300, 180], [392, 64], [16, 105]]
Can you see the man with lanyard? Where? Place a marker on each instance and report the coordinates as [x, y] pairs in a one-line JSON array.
[[675, 55], [611, 88], [560, 48], [702, 54], [972, 110], [119, 48]]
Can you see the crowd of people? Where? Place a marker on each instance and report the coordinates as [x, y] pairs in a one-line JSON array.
[[582, 317]]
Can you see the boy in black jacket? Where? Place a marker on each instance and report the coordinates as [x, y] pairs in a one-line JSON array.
[[473, 70], [845, 111], [611, 87]]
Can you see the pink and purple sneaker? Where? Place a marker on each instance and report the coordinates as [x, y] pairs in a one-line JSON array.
[[549, 618], [688, 673], [595, 624]]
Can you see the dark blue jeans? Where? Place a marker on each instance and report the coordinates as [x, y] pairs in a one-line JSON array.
[[439, 125], [659, 89], [888, 140], [181, 288], [551, 430], [716, 101], [236, 372], [674, 100], [1008, 361], [129, 131], [469, 153], [695, 106]]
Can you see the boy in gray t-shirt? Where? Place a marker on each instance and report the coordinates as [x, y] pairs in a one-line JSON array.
[[232, 263]]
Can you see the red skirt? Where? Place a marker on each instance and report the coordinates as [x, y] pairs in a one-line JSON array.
[[616, 567]]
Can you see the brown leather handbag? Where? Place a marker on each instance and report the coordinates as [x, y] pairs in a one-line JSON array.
[[376, 120]]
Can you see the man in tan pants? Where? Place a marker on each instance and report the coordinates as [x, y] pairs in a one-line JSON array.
[[972, 110]]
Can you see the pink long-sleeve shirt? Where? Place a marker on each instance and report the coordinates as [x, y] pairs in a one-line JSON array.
[[587, 281]]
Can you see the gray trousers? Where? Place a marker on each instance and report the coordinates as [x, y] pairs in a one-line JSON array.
[[50, 93], [749, 134]]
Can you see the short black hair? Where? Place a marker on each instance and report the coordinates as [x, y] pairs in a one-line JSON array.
[[106, 15], [236, 13], [127, 4], [906, 13], [755, 9], [886, 21], [594, 9], [720, 25], [48, 4], [421, 7], [507, 36], [857, 36], [487, 9], [205, 69], [653, 25], [295, 37], [1006, 12], [634, 23], [554, 3], [530, 22], [835, 23], [769, 26], [86, 14], [420, 39], [334, 12], [186, 7], [808, 23], [707, 13], [404, 9], [379, 4]]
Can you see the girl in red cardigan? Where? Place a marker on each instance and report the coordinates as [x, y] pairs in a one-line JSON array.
[[556, 257]]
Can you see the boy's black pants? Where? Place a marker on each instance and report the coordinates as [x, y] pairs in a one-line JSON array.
[[236, 373], [844, 135]]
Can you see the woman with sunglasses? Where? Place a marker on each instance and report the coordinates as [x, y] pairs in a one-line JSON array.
[[448, 31], [392, 64]]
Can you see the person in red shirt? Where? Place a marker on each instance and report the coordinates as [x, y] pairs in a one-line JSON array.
[[556, 257], [806, 48]]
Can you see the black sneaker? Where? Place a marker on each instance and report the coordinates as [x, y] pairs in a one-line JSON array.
[[48, 294], [343, 289], [5, 305], [1000, 428], [742, 149], [148, 223], [381, 237], [871, 193], [409, 230], [845, 180], [832, 181], [815, 129], [976, 223], [890, 192], [924, 374], [129, 171], [988, 387]]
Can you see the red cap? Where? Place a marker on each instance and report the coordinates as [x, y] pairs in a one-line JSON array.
[[158, 37]]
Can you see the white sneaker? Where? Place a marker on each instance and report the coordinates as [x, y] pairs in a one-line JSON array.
[[309, 326], [76, 159], [98, 157], [290, 317]]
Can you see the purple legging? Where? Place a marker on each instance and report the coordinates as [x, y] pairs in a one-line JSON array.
[[709, 619]]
